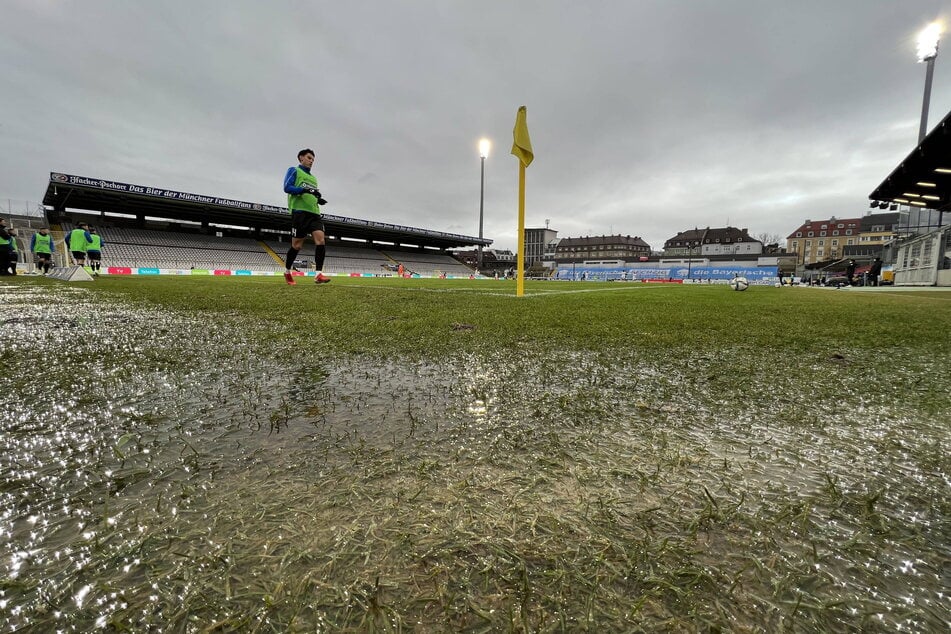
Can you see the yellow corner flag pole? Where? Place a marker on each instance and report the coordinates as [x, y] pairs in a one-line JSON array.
[[521, 149]]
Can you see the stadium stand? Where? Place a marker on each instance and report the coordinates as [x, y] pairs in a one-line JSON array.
[[429, 264], [169, 229], [168, 250], [152, 248]]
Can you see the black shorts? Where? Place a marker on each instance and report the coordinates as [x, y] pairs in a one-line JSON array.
[[78, 255], [304, 223], [94, 256], [44, 257]]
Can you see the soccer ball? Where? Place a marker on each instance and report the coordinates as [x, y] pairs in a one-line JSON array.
[[739, 283]]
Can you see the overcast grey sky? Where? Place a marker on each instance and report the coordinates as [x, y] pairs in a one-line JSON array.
[[647, 117]]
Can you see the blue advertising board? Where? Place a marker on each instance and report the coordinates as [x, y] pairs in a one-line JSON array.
[[673, 272]]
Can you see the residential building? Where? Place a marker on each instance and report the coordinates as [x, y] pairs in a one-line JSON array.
[[712, 242], [875, 231], [823, 240], [627, 248]]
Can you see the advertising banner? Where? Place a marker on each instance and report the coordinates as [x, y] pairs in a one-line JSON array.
[[678, 272]]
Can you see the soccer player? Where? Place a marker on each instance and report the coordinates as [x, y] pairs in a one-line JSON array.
[[77, 241], [6, 248], [304, 201], [13, 256], [41, 244], [94, 251]]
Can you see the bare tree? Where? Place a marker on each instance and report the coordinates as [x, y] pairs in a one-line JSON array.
[[771, 238]]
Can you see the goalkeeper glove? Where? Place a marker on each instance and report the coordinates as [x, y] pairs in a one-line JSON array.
[[316, 193]]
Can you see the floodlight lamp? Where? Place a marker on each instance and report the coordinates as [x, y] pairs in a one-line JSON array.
[[484, 145], [928, 42]]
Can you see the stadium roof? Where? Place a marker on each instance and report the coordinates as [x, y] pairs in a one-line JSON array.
[[923, 179], [81, 192]]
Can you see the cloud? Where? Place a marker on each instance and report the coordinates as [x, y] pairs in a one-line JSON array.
[[647, 118]]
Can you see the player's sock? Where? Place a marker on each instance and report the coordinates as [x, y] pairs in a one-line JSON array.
[[291, 256], [320, 252]]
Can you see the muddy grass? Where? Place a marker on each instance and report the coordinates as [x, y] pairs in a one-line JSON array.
[[169, 473]]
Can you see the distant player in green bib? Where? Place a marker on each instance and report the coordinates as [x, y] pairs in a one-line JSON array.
[[77, 241], [43, 249], [94, 252], [304, 201]]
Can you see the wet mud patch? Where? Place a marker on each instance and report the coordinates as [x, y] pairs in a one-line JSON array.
[[164, 472]]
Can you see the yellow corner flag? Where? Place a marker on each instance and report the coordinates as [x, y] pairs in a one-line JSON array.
[[522, 147]]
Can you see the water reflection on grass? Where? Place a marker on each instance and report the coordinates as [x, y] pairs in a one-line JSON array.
[[169, 473]]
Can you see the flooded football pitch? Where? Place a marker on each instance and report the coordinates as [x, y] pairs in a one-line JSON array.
[[162, 472]]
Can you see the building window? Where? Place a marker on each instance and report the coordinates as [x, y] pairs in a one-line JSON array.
[[811, 234]]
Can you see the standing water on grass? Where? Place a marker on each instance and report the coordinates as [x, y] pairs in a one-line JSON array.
[[173, 473]]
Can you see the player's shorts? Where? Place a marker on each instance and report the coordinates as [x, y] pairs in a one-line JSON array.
[[44, 257], [78, 255], [95, 256], [304, 223]]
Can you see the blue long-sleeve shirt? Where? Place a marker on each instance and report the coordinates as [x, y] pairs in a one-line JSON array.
[[290, 178]]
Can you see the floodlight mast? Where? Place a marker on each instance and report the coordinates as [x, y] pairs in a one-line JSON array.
[[927, 52], [484, 145]]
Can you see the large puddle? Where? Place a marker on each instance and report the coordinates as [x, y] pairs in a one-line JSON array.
[[169, 473]]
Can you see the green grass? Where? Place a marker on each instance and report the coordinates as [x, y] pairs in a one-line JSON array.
[[396, 317], [439, 455]]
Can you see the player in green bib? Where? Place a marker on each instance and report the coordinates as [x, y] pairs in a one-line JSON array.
[[43, 249], [94, 252], [77, 241], [304, 201]]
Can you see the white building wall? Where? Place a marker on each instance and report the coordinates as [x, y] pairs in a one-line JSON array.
[[733, 248]]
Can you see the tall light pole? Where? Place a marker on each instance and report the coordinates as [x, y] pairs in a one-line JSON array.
[[484, 145], [927, 52]]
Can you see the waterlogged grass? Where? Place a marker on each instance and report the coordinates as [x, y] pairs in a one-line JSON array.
[[387, 455], [386, 316]]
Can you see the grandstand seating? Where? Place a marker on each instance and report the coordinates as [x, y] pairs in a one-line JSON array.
[[429, 263], [138, 248]]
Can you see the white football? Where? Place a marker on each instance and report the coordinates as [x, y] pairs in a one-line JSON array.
[[739, 283]]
